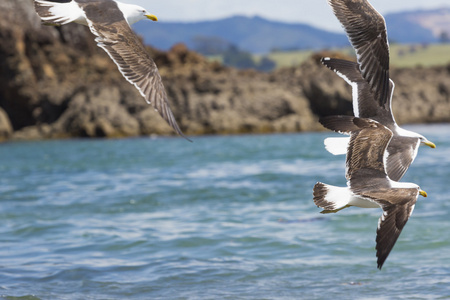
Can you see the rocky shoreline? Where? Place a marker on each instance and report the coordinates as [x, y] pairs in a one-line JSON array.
[[56, 83]]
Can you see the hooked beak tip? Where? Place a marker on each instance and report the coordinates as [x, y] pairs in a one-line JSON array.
[[152, 17], [430, 144]]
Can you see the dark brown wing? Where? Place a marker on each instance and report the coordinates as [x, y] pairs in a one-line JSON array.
[[402, 152], [398, 205], [348, 70], [116, 37], [368, 142], [390, 225], [365, 104], [367, 147], [366, 30], [339, 123]]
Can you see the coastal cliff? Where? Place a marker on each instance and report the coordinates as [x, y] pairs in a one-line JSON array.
[[56, 83]]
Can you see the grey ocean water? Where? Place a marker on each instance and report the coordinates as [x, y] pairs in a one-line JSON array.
[[221, 218]]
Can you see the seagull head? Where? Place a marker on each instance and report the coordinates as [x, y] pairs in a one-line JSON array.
[[423, 140], [426, 142], [410, 186], [150, 16], [142, 13], [423, 193], [135, 13]]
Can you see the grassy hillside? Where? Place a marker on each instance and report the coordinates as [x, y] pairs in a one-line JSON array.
[[414, 55], [401, 55]]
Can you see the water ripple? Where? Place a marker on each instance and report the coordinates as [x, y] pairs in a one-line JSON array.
[[136, 219]]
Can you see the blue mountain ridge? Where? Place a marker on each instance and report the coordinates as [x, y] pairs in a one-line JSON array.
[[259, 35], [253, 34]]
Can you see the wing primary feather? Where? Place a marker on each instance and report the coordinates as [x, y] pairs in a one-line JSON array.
[[132, 60]]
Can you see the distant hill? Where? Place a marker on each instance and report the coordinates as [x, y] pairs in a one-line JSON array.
[[423, 26], [258, 35]]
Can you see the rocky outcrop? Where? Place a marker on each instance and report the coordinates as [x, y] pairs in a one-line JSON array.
[[56, 83], [43, 68], [5, 126], [212, 99], [422, 95]]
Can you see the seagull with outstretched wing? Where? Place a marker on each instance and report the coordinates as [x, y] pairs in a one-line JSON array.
[[110, 21]]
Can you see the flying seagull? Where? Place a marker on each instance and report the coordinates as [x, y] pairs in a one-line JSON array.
[[368, 185], [110, 21], [404, 145], [372, 88]]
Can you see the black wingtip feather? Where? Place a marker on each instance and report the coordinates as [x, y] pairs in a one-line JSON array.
[[319, 192], [343, 67], [339, 123]]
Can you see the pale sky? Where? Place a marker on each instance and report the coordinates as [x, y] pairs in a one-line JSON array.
[[313, 12]]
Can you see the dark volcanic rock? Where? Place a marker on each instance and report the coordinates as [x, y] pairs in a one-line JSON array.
[[422, 95], [5, 126], [97, 112]]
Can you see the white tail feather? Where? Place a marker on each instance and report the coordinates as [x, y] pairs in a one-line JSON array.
[[337, 146], [333, 198]]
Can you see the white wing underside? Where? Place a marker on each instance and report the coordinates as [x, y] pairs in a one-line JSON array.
[[337, 145], [63, 13]]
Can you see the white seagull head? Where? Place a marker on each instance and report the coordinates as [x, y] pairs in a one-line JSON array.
[[423, 140], [135, 13]]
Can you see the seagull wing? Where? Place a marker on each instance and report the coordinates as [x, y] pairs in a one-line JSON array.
[[396, 212], [402, 152], [365, 104], [115, 36], [368, 142], [366, 30], [402, 149]]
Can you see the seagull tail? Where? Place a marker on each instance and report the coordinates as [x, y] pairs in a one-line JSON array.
[[337, 146], [57, 13], [331, 198]]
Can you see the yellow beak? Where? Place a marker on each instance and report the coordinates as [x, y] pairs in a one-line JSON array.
[[423, 193], [430, 144], [152, 17]]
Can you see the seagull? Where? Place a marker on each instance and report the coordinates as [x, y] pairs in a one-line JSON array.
[[372, 89], [368, 184], [110, 21]]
